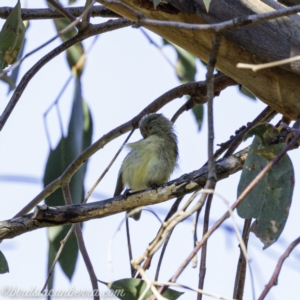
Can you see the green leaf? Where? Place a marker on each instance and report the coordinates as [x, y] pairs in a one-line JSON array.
[[271, 198], [3, 264], [79, 137], [75, 52], [155, 3], [207, 4], [186, 64], [198, 113], [11, 37], [132, 288], [247, 93]]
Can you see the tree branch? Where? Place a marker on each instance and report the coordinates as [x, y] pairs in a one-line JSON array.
[[247, 45], [45, 216], [274, 279], [62, 10], [197, 89], [51, 13], [234, 23]]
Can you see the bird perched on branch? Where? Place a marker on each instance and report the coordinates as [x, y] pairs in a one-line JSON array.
[[151, 160]]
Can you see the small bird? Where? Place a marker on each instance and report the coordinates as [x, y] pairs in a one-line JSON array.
[[151, 160]]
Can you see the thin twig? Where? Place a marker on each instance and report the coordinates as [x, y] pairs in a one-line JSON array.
[[242, 264], [171, 212], [87, 261], [221, 82], [162, 253], [129, 248], [274, 279], [158, 47], [265, 116], [81, 245], [202, 270], [211, 179], [62, 10], [273, 64], [107, 168], [234, 23], [62, 245], [109, 251], [210, 96]]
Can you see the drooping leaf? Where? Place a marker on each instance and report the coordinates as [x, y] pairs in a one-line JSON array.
[[186, 64], [132, 288], [3, 264], [207, 4], [78, 138], [247, 93], [198, 113], [11, 37], [269, 201], [75, 52]]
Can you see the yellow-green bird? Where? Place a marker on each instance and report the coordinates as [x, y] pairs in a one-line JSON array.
[[151, 160]]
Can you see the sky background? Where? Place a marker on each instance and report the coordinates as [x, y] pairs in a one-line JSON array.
[[123, 74]]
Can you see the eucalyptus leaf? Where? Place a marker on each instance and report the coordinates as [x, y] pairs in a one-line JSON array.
[[270, 200], [186, 63], [3, 264], [198, 113], [74, 53], [11, 37]]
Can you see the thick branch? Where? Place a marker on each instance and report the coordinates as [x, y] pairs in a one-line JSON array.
[[277, 87], [51, 13], [45, 216]]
